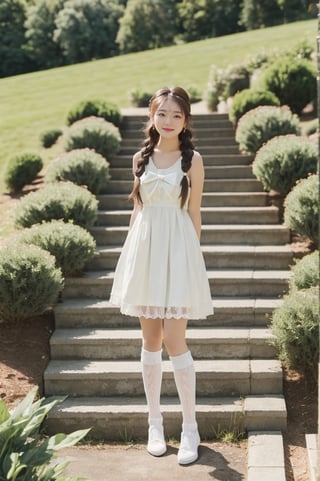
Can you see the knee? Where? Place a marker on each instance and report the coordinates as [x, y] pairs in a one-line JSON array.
[[174, 346], [152, 342]]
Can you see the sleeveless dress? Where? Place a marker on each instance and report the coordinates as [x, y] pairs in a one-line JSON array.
[[161, 272]]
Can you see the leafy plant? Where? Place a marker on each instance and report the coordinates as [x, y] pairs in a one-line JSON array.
[[23, 169], [71, 245], [139, 98], [97, 108], [306, 272], [93, 133], [224, 83], [295, 325], [261, 124], [60, 200], [284, 160], [29, 282], [49, 137], [301, 209], [24, 454], [249, 99]]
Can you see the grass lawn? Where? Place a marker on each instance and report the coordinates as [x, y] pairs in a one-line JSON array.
[[32, 103]]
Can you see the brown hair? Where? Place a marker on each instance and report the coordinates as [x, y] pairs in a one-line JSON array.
[[180, 96]]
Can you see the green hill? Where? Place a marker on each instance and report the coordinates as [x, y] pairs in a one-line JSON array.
[[32, 103]]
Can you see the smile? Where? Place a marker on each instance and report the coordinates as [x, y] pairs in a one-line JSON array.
[[166, 129]]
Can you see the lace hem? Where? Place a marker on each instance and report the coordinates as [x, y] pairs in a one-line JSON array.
[[155, 312]]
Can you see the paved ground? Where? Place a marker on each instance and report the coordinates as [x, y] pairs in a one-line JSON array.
[[217, 461]]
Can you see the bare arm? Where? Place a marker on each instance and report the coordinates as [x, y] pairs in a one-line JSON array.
[[136, 205], [196, 175]]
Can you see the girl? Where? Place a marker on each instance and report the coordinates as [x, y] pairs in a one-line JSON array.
[[161, 276]]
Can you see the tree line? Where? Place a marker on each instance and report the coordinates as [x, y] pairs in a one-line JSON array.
[[41, 34]]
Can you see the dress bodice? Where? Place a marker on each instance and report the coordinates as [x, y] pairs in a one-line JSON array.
[[161, 186]]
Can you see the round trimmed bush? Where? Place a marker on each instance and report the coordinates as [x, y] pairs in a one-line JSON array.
[[226, 83], [82, 167], [22, 170], [261, 124], [49, 137], [306, 272], [249, 99], [93, 133], [29, 282], [61, 200], [96, 108], [293, 81], [71, 245], [295, 325], [301, 209], [284, 160]]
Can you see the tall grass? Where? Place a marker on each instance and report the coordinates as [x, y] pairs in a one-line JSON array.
[[32, 103]]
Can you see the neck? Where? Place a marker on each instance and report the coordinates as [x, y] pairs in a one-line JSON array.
[[169, 145]]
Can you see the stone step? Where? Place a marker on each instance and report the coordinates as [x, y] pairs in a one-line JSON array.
[[210, 215], [208, 159], [120, 418], [219, 257], [216, 185], [219, 137], [213, 149], [248, 283], [200, 132], [223, 377], [232, 312], [217, 234], [198, 121], [212, 172], [125, 344], [213, 199]]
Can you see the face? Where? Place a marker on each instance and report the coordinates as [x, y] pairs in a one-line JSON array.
[[169, 119]]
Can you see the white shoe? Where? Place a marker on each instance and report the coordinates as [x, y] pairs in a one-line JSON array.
[[188, 451], [156, 443]]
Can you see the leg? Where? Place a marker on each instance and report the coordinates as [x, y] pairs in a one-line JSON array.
[[184, 375], [151, 358]]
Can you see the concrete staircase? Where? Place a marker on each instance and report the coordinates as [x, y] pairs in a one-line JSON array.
[[95, 350]]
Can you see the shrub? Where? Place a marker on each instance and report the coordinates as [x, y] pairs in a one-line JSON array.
[[139, 98], [293, 81], [312, 127], [249, 99], [71, 245], [29, 282], [96, 108], [295, 325], [226, 83], [23, 169], [284, 160], [301, 209], [49, 137], [25, 455], [261, 124], [94, 133], [82, 167], [63, 200], [194, 94], [306, 272]]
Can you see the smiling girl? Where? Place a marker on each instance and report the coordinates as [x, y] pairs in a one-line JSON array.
[[161, 276]]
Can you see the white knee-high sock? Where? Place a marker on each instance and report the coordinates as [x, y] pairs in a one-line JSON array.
[[152, 378], [185, 379]]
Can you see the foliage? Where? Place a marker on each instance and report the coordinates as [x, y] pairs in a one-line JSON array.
[[94, 133], [249, 99], [262, 124], [40, 26], [96, 108], [13, 56], [87, 29], [271, 12], [293, 81], [201, 19], [61, 200], [22, 169], [142, 26], [139, 98], [295, 325], [82, 167], [302, 50], [284, 160], [306, 272], [29, 282], [312, 127], [224, 83], [301, 211], [49, 137], [24, 454], [71, 245]]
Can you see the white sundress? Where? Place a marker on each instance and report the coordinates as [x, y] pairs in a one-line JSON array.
[[161, 271]]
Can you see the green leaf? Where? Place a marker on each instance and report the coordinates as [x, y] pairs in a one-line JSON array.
[[4, 412]]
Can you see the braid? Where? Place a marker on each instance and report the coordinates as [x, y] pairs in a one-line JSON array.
[[186, 147]]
